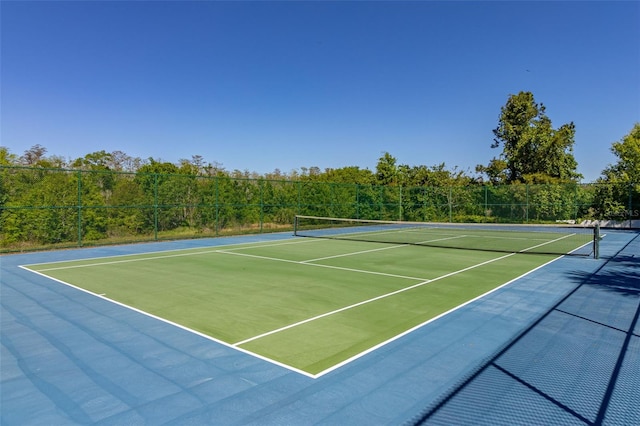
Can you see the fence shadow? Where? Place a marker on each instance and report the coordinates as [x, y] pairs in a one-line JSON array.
[[487, 394], [621, 276]]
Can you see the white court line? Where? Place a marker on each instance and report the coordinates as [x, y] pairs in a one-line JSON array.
[[297, 241], [114, 262], [319, 265], [353, 253], [192, 252], [175, 324], [379, 249], [370, 300], [442, 231], [143, 253], [151, 256], [548, 242], [224, 251], [429, 321], [384, 295], [235, 346]]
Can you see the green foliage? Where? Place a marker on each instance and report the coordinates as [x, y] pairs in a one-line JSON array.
[[618, 194], [627, 169], [53, 206], [7, 158], [43, 204], [386, 170], [29, 214], [532, 150]]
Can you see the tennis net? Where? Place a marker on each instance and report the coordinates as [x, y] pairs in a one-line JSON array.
[[556, 239]]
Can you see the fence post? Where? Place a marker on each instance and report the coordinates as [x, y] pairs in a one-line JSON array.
[[400, 202], [357, 201], [486, 200], [596, 241], [261, 183], [79, 208], [155, 206], [217, 205], [299, 208], [423, 204], [630, 209], [332, 192], [526, 207], [450, 204], [576, 203]]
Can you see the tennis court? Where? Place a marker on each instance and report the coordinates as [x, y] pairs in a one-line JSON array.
[[76, 357], [314, 304]]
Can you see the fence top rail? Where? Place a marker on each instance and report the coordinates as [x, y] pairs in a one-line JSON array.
[[305, 179]]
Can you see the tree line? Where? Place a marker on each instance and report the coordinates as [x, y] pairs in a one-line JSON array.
[[533, 152], [106, 195]]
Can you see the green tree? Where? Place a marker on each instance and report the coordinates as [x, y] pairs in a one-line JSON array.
[[387, 170], [350, 174], [618, 191], [628, 152], [98, 160], [532, 150], [7, 158], [41, 207]]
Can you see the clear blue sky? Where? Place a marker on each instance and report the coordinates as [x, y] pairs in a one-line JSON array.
[[263, 85]]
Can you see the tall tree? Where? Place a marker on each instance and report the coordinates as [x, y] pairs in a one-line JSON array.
[[387, 170], [619, 195], [123, 162], [98, 160], [532, 150], [35, 154], [628, 152], [7, 158]]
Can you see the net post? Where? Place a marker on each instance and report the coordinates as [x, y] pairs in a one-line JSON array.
[[295, 225], [596, 241]]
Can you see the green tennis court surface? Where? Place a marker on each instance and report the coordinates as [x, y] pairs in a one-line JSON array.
[[307, 304]]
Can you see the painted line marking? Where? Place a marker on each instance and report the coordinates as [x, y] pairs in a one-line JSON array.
[[429, 321], [319, 265], [150, 257], [236, 345], [326, 314], [175, 324], [377, 249]]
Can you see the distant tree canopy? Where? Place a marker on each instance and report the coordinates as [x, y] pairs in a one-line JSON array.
[[387, 171], [619, 187], [111, 196], [7, 158], [532, 150], [627, 169]]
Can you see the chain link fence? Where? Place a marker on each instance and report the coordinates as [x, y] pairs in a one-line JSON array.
[[45, 208]]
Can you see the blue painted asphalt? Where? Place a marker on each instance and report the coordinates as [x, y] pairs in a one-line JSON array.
[[578, 364], [68, 357]]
